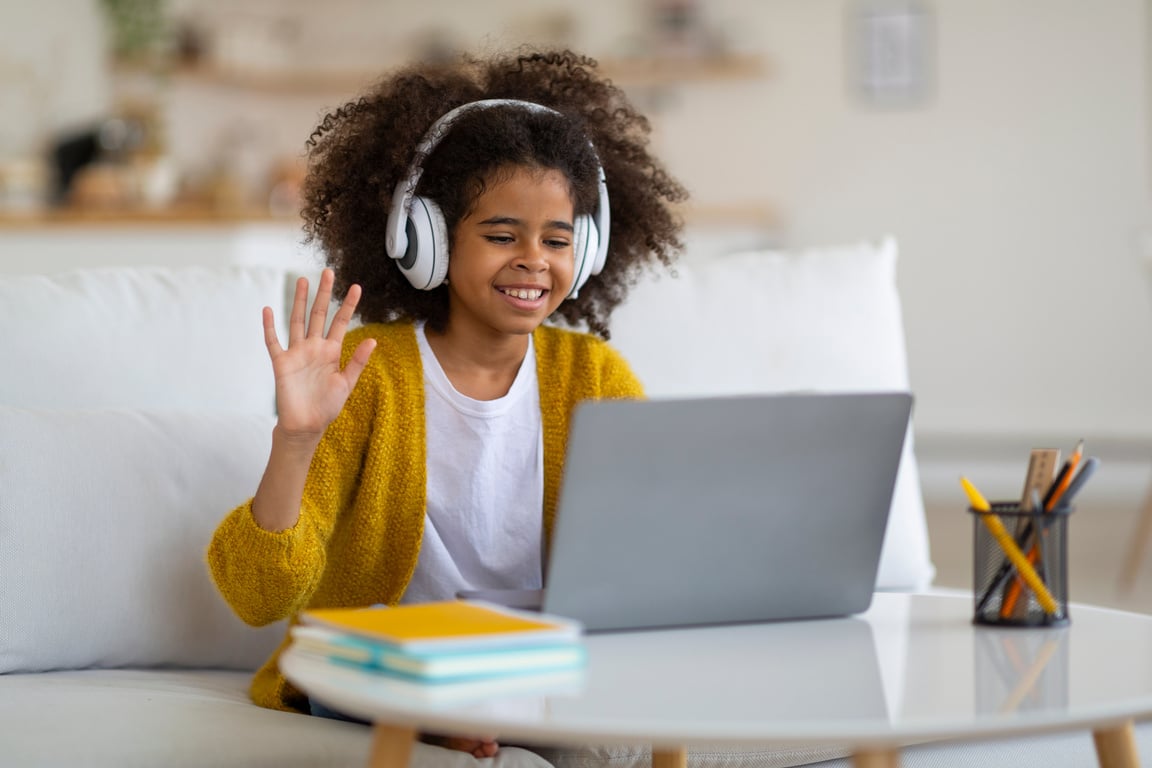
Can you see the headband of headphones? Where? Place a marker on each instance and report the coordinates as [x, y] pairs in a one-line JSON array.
[[416, 235]]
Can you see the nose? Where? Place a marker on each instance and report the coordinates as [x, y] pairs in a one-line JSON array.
[[531, 258]]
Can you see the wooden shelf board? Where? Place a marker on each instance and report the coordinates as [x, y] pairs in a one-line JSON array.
[[651, 71], [142, 217], [670, 70]]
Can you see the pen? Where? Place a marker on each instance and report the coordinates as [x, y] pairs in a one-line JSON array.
[[1004, 539], [1082, 477]]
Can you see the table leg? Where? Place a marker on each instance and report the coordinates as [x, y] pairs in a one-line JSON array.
[[876, 758], [1116, 746], [670, 758], [391, 746]]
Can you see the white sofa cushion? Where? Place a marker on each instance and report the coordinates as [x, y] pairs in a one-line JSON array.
[[105, 517], [184, 719], [773, 321], [107, 718], [147, 337]]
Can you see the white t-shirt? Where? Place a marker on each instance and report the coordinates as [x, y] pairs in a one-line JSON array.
[[483, 528]]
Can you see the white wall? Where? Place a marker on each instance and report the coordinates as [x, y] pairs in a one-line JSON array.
[[1019, 191], [51, 70]]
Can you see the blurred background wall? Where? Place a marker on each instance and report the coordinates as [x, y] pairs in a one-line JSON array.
[[1003, 142]]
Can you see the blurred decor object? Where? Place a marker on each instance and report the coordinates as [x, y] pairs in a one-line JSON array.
[[679, 30], [892, 60], [70, 155], [111, 141], [436, 45], [117, 163], [100, 186], [225, 190], [138, 30], [285, 186], [24, 184], [191, 42], [156, 180]]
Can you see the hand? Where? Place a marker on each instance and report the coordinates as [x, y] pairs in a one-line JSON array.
[[477, 747], [311, 388]]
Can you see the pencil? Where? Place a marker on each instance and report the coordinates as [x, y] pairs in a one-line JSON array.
[[1004, 539], [1064, 478]]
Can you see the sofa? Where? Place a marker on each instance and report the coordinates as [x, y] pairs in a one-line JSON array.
[[136, 408]]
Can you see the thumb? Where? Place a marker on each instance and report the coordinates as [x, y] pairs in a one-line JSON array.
[[356, 363]]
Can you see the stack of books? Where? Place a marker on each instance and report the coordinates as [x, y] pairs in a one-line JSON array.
[[447, 643]]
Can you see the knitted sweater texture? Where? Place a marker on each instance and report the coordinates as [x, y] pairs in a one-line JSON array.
[[362, 515]]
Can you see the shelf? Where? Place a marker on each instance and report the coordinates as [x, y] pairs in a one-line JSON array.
[[282, 83], [672, 70], [661, 71], [741, 214], [140, 217], [752, 215]]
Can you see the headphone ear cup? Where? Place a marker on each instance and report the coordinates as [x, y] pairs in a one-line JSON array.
[[425, 262], [585, 244]]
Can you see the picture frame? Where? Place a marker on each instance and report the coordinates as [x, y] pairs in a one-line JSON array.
[[891, 55]]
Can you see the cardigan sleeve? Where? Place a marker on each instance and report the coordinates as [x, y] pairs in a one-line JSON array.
[[271, 575], [617, 378]]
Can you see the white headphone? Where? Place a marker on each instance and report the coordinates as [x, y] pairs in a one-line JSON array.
[[417, 235]]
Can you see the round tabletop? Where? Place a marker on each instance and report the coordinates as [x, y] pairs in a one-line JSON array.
[[912, 667]]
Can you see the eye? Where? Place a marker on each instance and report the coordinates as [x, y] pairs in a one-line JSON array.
[[498, 239], [558, 243]]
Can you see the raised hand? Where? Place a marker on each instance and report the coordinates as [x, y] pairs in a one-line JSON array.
[[311, 388]]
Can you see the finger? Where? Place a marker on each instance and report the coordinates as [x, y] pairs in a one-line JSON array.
[[271, 340], [356, 363], [299, 305], [319, 317], [344, 315]]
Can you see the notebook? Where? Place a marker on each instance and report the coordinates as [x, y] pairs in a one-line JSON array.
[[683, 512]]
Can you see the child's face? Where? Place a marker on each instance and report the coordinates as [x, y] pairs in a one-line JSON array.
[[511, 261]]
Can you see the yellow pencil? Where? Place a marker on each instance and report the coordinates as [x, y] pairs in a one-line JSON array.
[[1004, 539]]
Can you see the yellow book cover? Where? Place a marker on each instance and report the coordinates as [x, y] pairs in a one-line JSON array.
[[447, 625]]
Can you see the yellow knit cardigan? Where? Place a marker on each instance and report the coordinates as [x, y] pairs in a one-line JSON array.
[[362, 514]]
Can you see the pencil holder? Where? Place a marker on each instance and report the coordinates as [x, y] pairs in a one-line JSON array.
[[1020, 566]]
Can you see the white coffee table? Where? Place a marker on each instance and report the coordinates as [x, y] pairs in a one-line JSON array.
[[913, 668]]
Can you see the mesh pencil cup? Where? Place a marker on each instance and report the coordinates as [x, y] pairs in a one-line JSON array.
[[1011, 593]]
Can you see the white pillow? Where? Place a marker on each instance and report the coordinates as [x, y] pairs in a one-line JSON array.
[[775, 321], [149, 337], [105, 518]]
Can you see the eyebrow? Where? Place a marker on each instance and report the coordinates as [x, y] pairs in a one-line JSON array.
[[510, 220]]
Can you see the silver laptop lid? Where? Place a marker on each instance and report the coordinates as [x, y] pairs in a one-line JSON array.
[[716, 510]]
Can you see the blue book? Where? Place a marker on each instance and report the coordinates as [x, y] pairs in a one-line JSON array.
[[446, 665]]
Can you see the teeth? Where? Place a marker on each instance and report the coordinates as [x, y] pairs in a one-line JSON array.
[[528, 294]]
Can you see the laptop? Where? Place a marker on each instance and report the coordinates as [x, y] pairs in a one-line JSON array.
[[682, 512]]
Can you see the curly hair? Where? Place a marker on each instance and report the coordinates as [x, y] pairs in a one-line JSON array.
[[359, 152]]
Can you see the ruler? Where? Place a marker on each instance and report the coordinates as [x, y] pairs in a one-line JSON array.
[[1041, 472]]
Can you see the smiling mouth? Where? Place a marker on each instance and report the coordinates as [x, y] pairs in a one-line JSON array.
[[526, 294]]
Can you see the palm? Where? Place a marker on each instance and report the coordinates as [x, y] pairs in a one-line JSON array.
[[311, 387], [310, 390]]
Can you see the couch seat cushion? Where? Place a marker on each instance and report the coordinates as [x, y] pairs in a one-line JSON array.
[[149, 718]]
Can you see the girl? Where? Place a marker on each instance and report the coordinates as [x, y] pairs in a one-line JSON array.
[[421, 453]]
